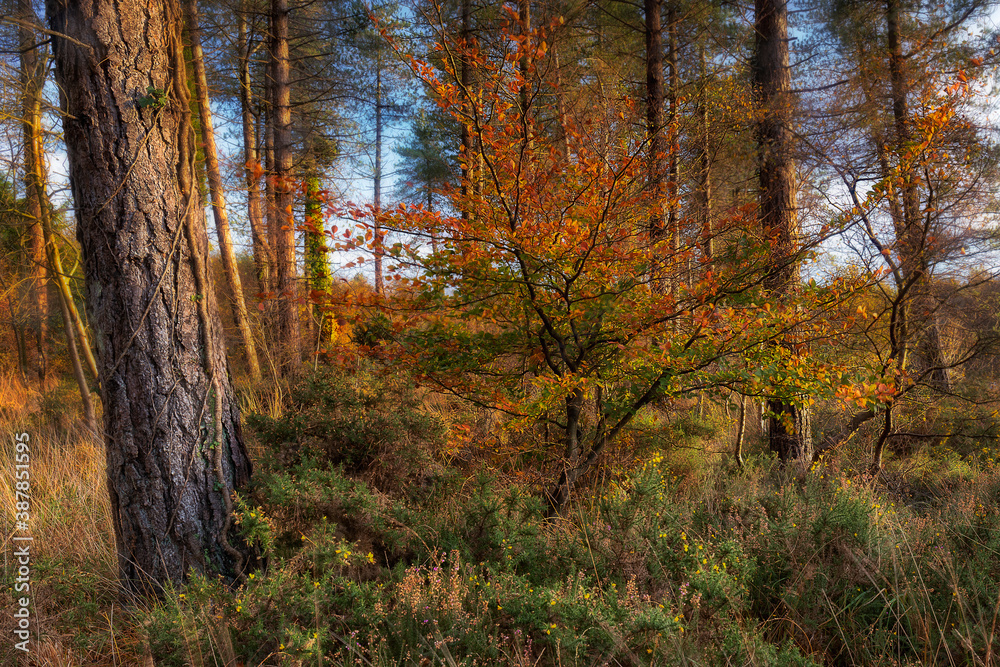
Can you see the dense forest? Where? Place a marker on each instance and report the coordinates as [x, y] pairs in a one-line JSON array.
[[460, 332]]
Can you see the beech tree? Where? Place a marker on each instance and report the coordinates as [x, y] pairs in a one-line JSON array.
[[907, 146], [172, 427], [555, 262]]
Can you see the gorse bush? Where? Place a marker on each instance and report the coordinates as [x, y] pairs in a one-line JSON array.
[[762, 566], [364, 417]]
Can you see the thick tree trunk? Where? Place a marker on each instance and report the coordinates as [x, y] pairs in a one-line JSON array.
[[172, 427], [289, 336], [788, 434], [32, 80], [229, 265]]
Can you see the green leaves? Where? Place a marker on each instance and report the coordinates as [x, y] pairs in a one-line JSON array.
[[155, 98]]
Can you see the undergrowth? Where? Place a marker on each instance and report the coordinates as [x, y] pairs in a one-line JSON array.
[[382, 551]]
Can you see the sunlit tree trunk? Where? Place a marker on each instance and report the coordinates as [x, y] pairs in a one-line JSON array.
[[262, 254], [175, 451], [32, 80], [229, 265], [289, 336]]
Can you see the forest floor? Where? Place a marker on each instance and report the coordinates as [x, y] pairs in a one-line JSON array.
[[405, 536]]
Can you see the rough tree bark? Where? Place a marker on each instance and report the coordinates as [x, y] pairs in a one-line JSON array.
[[788, 432], [175, 451]]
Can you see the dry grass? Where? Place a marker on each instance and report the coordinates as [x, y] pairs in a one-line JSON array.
[[73, 550]]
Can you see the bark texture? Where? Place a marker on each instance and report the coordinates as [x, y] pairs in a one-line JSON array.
[[788, 428], [172, 429]]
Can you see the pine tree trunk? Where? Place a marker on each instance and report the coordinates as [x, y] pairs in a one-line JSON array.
[[289, 336], [787, 428], [229, 265], [654, 108], [262, 254], [377, 184], [175, 450], [32, 80]]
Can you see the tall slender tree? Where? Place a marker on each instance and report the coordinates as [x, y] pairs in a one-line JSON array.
[[219, 211], [787, 424], [33, 68], [263, 254], [289, 335]]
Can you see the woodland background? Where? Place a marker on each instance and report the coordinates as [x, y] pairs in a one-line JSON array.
[[563, 333]]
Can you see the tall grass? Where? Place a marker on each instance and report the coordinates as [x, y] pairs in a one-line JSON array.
[[73, 560]]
